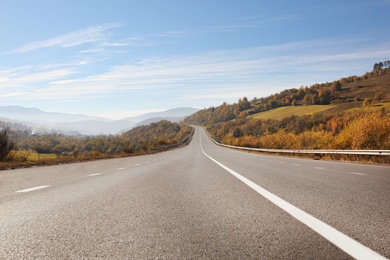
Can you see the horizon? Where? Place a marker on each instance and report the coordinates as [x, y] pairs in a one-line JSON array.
[[113, 119], [123, 59]]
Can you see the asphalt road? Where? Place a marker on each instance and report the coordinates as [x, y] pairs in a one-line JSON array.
[[192, 203]]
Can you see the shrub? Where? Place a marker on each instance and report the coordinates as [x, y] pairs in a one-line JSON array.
[[5, 144]]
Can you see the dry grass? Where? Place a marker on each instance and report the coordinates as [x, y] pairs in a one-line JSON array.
[[282, 112]]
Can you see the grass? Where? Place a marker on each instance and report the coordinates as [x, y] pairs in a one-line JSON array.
[[385, 105], [282, 112], [31, 156]]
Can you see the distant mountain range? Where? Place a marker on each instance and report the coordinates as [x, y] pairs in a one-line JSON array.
[[39, 120]]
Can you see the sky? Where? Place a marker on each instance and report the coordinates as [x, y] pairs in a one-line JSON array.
[[121, 58]]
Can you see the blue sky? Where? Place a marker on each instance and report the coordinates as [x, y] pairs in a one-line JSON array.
[[123, 58]]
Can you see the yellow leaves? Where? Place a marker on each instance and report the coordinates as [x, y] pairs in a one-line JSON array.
[[372, 131]]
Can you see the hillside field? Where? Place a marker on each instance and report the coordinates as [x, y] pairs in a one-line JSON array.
[[283, 112]]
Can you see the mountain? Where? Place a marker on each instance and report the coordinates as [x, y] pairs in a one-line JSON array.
[[36, 115], [171, 113], [90, 127], [156, 119], [41, 121]]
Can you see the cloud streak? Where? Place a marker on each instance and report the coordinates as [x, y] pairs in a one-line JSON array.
[[68, 40]]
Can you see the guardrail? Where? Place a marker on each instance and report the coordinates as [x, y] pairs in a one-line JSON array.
[[297, 151]]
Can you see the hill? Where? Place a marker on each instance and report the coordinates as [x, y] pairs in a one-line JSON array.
[[175, 113], [350, 113], [352, 92]]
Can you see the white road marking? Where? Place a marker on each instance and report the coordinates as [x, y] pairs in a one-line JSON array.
[[33, 189], [319, 168], [357, 173], [345, 243], [120, 169], [281, 162], [94, 174], [148, 162], [137, 164], [295, 164]]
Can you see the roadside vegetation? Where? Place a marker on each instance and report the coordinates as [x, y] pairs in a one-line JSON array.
[[28, 149], [350, 113]]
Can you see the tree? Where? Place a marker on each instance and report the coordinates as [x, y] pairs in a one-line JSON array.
[[5, 144], [307, 99], [294, 102], [379, 96], [367, 102], [315, 100], [336, 86]]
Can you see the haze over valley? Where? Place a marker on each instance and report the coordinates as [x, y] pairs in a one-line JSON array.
[[76, 124]]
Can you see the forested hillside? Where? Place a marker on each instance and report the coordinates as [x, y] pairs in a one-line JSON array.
[[29, 149], [349, 113]]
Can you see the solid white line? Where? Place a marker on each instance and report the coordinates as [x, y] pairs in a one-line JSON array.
[[345, 243], [94, 174], [33, 189]]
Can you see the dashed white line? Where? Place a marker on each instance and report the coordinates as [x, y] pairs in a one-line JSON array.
[[137, 164], [120, 169], [342, 241], [94, 174], [357, 173], [319, 168], [281, 162], [33, 189], [296, 164]]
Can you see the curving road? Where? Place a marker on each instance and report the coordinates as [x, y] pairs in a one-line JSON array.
[[197, 202]]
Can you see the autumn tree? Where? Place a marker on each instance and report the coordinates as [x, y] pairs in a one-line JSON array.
[[359, 134], [378, 96], [336, 86], [294, 102], [367, 102]]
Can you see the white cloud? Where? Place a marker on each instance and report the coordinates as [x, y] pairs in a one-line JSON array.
[[11, 94], [3, 79], [252, 72], [71, 39]]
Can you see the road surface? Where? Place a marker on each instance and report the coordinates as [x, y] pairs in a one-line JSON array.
[[197, 202]]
